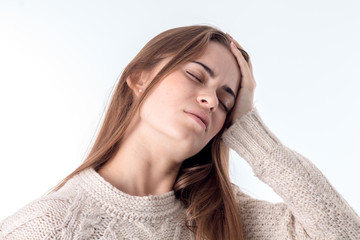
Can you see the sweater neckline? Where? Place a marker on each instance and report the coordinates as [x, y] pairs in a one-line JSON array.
[[152, 207]]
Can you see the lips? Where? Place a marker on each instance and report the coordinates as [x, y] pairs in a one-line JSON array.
[[200, 116]]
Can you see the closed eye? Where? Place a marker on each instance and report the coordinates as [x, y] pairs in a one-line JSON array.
[[194, 76], [223, 106]]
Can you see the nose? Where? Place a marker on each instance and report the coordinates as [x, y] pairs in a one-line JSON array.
[[208, 100]]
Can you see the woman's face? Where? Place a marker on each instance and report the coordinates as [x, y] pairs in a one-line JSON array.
[[189, 106]]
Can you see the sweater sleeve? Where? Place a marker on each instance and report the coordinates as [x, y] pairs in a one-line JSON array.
[[40, 219], [313, 209]]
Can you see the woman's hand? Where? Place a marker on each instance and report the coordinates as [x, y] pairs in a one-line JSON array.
[[245, 98]]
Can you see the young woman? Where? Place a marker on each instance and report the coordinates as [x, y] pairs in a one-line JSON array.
[[159, 166]]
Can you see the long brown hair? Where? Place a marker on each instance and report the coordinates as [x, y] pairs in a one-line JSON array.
[[202, 184]]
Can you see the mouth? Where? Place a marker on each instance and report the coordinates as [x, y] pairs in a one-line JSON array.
[[200, 117]]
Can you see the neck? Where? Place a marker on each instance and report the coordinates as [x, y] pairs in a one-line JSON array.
[[141, 167]]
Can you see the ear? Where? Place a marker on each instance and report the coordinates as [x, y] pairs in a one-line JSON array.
[[138, 82]]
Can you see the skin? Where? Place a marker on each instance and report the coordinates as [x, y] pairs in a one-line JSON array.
[[245, 98], [164, 133]]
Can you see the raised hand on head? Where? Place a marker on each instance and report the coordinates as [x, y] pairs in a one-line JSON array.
[[245, 97]]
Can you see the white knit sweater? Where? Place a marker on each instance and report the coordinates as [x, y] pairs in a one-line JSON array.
[[88, 207]]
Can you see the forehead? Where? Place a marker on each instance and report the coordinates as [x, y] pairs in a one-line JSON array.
[[223, 63]]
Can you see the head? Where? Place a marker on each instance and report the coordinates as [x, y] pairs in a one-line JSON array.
[[187, 54], [189, 105]]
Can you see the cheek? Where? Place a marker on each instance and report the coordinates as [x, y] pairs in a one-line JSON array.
[[162, 95], [156, 103], [171, 89], [218, 121], [164, 101]]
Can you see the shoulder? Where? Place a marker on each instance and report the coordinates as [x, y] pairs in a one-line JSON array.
[[40, 218]]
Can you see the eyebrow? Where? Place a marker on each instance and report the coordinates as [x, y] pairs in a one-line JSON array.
[[211, 73], [207, 69]]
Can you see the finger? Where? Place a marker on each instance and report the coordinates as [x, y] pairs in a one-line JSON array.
[[250, 65], [229, 36], [232, 39], [245, 55], [240, 59], [245, 70], [240, 47], [236, 42]]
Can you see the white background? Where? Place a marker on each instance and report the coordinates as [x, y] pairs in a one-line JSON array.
[[60, 59]]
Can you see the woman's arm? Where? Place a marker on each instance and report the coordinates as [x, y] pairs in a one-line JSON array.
[[312, 206]]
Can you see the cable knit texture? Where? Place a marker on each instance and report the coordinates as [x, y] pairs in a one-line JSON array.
[[88, 207]]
